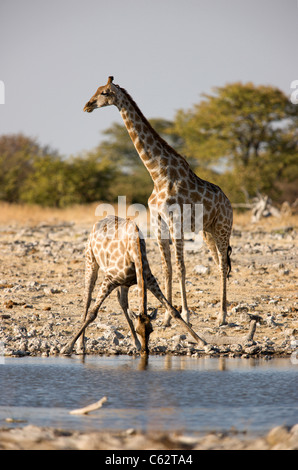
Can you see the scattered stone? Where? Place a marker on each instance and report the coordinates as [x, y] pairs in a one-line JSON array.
[[200, 269], [32, 437], [240, 308], [15, 420], [12, 303], [278, 437], [52, 290], [5, 317]]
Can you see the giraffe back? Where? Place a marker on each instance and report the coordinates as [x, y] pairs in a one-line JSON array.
[[119, 250]]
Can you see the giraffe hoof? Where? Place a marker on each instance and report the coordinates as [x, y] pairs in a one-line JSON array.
[[80, 349], [144, 353], [185, 316], [66, 350], [166, 323], [80, 352]]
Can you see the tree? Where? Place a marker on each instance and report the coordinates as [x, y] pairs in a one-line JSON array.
[[56, 182], [46, 184], [17, 154], [250, 131], [36, 174], [91, 177]]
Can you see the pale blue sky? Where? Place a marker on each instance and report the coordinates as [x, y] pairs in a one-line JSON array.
[[54, 54]]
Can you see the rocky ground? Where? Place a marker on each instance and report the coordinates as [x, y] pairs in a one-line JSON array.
[[42, 281]]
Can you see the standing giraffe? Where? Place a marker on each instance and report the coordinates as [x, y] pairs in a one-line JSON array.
[[117, 246], [174, 184]]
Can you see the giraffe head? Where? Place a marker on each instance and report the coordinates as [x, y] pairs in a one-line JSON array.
[[104, 96], [144, 329]]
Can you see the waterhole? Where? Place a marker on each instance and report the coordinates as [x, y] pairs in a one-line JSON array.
[[166, 393]]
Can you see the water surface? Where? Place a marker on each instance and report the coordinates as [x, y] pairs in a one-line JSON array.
[[179, 393]]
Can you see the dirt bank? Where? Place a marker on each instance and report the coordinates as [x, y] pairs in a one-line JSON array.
[[35, 438]]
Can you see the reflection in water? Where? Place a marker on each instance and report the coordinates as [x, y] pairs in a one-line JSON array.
[[143, 363], [164, 392], [170, 362]]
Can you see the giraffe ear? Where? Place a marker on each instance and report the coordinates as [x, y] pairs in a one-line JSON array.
[[110, 79]]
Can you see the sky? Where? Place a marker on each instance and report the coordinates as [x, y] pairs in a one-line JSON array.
[[55, 53]]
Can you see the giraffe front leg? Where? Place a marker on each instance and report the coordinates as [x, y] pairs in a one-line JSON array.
[[105, 289], [122, 293], [154, 288], [163, 239], [182, 278], [178, 242]]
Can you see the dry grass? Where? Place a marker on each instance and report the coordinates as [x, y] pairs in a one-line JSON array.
[[25, 214], [30, 215], [243, 220]]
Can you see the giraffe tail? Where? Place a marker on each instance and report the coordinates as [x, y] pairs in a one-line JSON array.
[[229, 251]]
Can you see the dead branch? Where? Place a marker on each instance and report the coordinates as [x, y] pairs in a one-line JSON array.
[[89, 408]]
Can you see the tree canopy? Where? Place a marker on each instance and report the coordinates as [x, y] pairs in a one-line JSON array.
[[250, 131]]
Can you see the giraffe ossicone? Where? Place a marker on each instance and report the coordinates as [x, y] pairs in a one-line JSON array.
[[174, 183]]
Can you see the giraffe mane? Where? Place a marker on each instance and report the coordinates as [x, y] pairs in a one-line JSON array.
[[162, 141]]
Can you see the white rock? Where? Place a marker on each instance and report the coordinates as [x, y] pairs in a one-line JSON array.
[[200, 269]]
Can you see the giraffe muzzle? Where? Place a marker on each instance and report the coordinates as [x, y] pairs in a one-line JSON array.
[[89, 107]]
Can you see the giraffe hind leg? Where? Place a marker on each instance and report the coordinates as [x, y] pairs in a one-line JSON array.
[[224, 251], [165, 252], [221, 251], [229, 252], [210, 242]]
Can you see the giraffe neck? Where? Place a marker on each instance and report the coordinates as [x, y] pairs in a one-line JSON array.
[[155, 153]]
